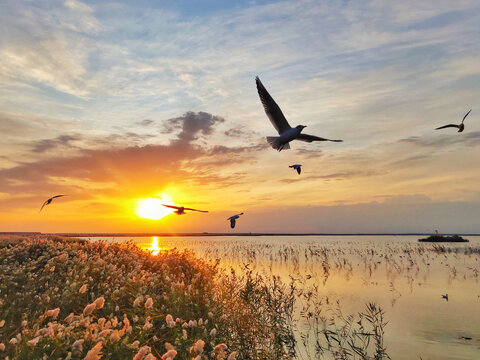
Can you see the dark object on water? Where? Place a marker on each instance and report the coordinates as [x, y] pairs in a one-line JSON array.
[[465, 338], [440, 238]]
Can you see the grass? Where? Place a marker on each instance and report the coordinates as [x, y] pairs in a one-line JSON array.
[[69, 299]]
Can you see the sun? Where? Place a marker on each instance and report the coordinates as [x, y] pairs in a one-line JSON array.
[[152, 208]]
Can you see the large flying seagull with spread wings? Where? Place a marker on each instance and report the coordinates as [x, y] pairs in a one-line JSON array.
[[280, 123]]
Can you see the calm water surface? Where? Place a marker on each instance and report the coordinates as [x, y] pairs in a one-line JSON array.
[[402, 276]]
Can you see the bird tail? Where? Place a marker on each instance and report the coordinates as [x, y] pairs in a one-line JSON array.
[[275, 143]]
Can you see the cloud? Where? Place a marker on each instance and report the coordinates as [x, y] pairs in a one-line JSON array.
[[192, 124], [145, 122], [60, 141]]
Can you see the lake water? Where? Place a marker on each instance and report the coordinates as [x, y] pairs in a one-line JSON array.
[[404, 277]]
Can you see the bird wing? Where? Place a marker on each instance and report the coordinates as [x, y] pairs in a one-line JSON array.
[[272, 109], [204, 211], [172, 207], [447, 126], [299, 170], [57, 196], [310, 138], [466, 116], [43, 206]]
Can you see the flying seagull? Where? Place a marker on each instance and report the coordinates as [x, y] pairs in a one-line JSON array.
[[286, 132], [49, 201], [445, 297], [460, 127], [297, 167], [233, 219], [180, 210]]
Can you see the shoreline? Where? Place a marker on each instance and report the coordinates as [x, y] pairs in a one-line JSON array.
[[207, 234]]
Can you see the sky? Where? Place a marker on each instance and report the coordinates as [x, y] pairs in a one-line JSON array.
[[112, 102]]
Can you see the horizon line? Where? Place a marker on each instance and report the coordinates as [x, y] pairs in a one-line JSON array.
[[191, 234]]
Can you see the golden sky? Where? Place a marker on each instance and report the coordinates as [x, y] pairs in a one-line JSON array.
[[114, 102]]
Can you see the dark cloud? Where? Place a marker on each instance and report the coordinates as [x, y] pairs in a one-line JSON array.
[[49, 144], [192, 124], [239, 132], [145, 122]]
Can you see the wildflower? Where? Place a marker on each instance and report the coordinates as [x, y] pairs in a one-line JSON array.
[[78, 345], [34, 341], [138, 301], [148, 325], [134, 345], [170, 354], [13, 341], [232, 356], [2, 323], [169, 346], [169, 318], [2, 346], [210, 314], [150, 357], [149, 303], [99, 302], [83, 289], [117, 308], [53, 313], [144, 350], [213, 332], [95, 352], [184, 334], [200, 322], [89, 309], [221, 351], [115, 335], [24, 323], [199, 346]]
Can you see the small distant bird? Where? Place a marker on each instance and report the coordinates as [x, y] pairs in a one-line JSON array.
[[49, 201], [180, 210], [445, 297], [460, 127], [297, 167], [233, 219], [280, 123]]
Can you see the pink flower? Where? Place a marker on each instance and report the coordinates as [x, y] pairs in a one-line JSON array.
[[99, 302], [170, 354], [95, 352], [199, 346], [149, 303], [144, 350], [53, 313], [89, 309], [34, 341]]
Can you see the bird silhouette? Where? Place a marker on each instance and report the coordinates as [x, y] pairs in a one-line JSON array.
[[445, 297], [49, 201], [180, 210], [460, 127], [297, 167], [233, 219], [280, 123]]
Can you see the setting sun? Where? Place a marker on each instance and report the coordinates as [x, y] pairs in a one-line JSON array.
[[152, 208]]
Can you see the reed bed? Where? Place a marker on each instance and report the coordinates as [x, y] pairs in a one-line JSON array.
[[72, 299]]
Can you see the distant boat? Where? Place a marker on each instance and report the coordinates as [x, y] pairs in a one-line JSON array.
[[441, 238]]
